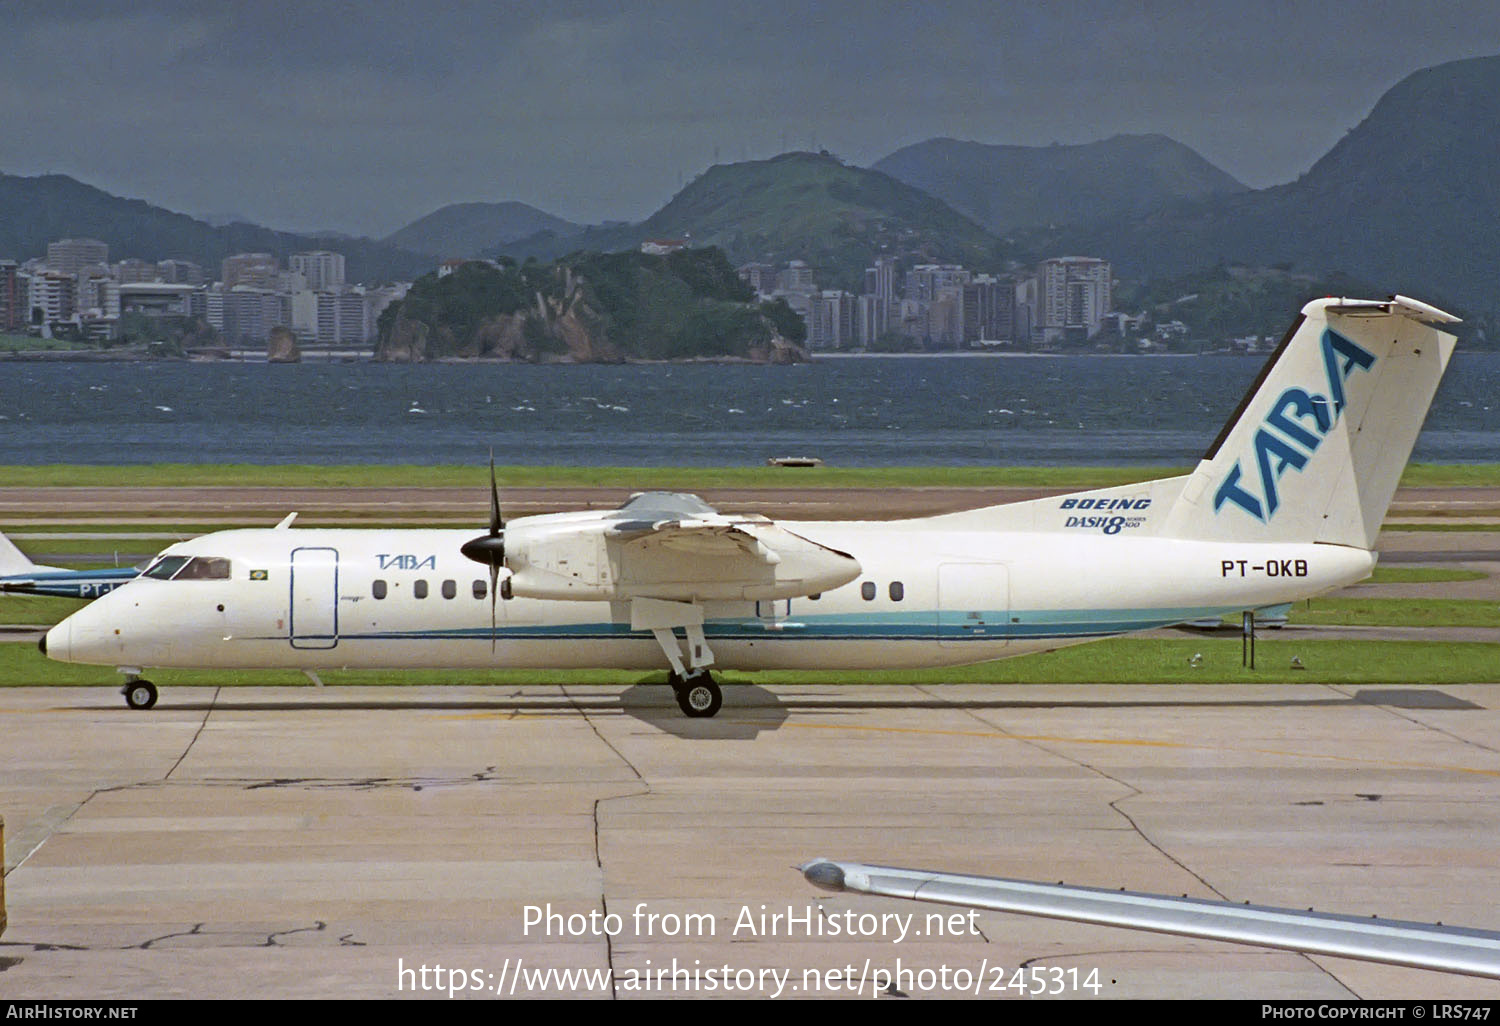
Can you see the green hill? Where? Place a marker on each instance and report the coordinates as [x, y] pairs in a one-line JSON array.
[[801, 206], [1009, 187], [36, 211], [1226, 301], [1409, 199], [468, 229]]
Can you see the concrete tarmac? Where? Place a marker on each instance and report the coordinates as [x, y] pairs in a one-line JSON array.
[[344, 843]]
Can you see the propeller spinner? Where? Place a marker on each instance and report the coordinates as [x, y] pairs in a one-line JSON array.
[[489, 549]]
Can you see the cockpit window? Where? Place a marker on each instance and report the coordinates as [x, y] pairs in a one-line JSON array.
[[164, 568], [204, 568], [190, 568]]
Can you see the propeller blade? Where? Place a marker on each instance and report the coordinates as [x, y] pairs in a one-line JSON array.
[[497, 525], [494, 587], [489, 549]]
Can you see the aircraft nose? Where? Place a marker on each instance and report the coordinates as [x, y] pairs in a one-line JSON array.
[[55, 644]]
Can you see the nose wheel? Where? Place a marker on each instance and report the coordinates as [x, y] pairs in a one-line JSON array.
[[139, 694], [698, 695]]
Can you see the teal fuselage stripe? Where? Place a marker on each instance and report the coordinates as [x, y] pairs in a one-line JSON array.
[[984, 626]]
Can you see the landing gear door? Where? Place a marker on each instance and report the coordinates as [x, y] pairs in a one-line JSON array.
[[315, 598], [973, 602]]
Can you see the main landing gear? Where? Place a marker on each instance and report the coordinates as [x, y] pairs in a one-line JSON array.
[[139, 694], [698, 694]]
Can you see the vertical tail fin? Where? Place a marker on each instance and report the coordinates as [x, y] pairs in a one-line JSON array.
[[1316, 450], [12, 559]]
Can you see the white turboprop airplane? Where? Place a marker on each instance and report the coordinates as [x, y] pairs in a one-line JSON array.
[[1286, 505]]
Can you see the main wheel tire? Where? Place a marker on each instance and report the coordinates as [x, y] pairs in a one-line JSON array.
[[140, 694], [699, 697]]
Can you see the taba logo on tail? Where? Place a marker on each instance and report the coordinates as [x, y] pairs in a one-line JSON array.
[[1298, 422]]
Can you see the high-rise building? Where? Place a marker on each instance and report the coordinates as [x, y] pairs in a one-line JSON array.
[[989, 309], [333, 318], [257, 270], [251, 313], [880, 284], [945, 318], [97, 296], [14, 293], [1074, 294], [133, 271], [830, 320], [872, 318], [925, 282], [323, 270], [70, 256], [52, 297], [180, 272], [798, 277], [760, 277]]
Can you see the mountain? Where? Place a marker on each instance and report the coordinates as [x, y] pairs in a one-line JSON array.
[[36, 211], [1006, 187], [799, 206], [1408, 199], [468, 229]]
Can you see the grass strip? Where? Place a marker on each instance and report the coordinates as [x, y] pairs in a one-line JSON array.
[[1115, 661], [477, 476], [1397, 612], [1423, 575], [1400, 526]]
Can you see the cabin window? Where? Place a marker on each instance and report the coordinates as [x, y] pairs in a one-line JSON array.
[[450, 589], [898, 591], [378, 589], [419, 589], [867, 591], [480, 588]]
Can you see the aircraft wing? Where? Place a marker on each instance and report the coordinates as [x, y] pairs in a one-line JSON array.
[[1392, 941], [717, 536], [668, 546]]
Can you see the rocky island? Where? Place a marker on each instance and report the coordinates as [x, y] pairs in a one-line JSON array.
[[590, 308]]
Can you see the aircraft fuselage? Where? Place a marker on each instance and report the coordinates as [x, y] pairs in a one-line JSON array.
[[312, 599]]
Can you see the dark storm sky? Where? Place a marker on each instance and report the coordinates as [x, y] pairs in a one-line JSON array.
[[362, 116]]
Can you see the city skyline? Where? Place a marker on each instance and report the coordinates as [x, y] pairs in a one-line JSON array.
[[301, 117]]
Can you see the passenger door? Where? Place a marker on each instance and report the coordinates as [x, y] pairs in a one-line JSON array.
[[314, 614]]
